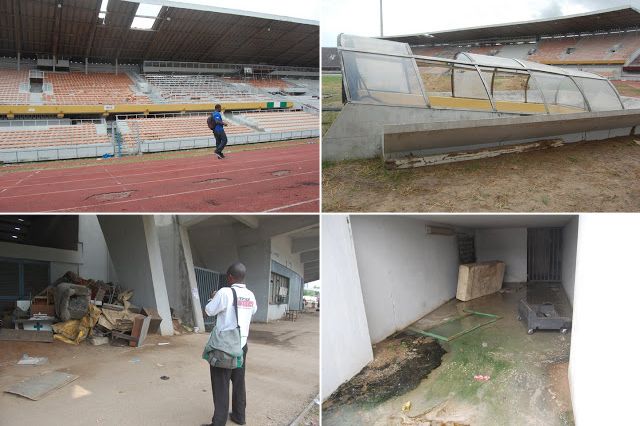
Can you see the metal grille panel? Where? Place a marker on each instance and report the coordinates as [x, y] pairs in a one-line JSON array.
[[544, 254], [208, 281]]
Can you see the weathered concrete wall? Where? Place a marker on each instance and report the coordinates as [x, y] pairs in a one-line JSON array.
[[605, 288], [569, 247], [357, 132], [174, 267], [257, 259], [96, 263], [344, 310], [214, 248], [438, 136], [135, 249], [281, 253], [405, 272], [479, 279], [508, 245]]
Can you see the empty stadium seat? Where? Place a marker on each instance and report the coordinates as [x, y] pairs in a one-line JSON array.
[[10, 81], [59, 135], [281, 121], [158, 128], [91, 89], [200, 88], [594, 49]]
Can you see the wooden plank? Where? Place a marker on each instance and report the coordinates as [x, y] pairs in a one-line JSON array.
[[26, 335], [37, 387]]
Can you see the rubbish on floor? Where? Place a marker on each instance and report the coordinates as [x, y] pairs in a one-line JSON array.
[[163, 343], [98, 340], [479, 279], [406, 406], [542, 316], [164, 377], [32, 360], [37, 387], [156, 319], [72, 301], [76, 330], [138, 331], [481, 378], [134, 360], [26, 335], [457, 326], [38, 322]]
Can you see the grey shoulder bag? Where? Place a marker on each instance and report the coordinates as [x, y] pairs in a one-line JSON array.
[[224, 348]]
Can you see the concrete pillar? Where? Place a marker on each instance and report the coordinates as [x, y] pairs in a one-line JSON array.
[[18, 61], [135, 251], [54, 63], [257, 258], [116, 66], [86, 65], [198, 318]]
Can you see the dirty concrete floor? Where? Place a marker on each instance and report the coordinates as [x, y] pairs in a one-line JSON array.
[[528, 382], [122, 386]]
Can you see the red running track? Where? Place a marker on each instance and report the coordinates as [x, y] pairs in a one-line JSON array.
[[274, 179]]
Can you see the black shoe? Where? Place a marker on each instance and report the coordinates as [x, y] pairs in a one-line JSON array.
[[219, 155], [235, 420], [222, 155]]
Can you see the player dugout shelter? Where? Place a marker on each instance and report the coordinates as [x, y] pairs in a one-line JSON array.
[[385, 84]]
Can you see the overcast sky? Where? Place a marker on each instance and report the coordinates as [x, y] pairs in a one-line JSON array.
[[305, 9], [361, 17]]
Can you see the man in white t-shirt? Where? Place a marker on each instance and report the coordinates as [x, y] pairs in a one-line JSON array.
[[221, 306]]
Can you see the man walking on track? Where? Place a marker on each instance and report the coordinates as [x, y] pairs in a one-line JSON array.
[[218, 130], [222, 306]]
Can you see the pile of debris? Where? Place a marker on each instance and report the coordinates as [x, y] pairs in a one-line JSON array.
[[74, 309]]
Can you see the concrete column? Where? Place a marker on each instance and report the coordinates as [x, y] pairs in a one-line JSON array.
[[116, 66], [54, 63], [18, 61], [86, 65], [198, 318], [257, 258], [135, 251]]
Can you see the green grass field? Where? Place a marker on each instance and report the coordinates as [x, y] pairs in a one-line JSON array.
[[331, 98]]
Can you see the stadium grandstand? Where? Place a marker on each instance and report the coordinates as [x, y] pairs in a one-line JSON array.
[[84, 78], [606, 42]]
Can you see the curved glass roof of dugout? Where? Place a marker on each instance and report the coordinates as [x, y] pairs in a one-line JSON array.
[[382, 72]]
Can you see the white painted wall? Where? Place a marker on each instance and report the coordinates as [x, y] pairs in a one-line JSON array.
[[508, 245], [604, 384], [96, 263], [281, 253], [569, 247], [346, 344], [404, 272]]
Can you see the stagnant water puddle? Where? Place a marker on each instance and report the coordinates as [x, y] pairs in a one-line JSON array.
[[400, 364]]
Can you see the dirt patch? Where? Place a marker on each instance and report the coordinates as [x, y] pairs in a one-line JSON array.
[[110, 196], [400, 363], [214, 180], [559, 390], [586, 176], [281, 172]]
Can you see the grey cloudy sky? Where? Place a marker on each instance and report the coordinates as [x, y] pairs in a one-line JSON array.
[[305, 9], [361, 17]]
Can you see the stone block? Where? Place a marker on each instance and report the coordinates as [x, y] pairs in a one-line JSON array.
[[479, 279]]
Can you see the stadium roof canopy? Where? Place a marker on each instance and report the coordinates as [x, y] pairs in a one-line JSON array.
[[75, 29], [603, 20]]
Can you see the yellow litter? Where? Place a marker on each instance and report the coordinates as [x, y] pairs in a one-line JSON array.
[[75, 331]]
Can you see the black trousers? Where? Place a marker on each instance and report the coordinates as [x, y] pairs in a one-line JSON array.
[[220, 378], [221, 140]]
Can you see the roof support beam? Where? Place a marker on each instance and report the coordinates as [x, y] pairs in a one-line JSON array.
[[162, 16], [94, 27], [215, 46], [300, 59], [125, 32], [293, 46], [17, 25], [56, 29], [249, 37]]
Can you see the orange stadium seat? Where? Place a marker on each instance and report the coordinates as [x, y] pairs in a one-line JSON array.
[[91, 89], [10, 81], [64, 135], [157, 128], [283, 121]]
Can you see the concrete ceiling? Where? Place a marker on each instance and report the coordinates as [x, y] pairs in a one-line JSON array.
[[496, 220]]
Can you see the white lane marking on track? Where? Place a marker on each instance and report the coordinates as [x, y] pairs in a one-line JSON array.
[[161, 171], [152, 197], [153, 181], [275, 209]]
